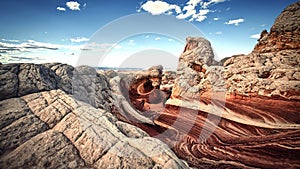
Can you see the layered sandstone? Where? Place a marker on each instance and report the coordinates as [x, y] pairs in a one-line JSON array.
[[284, 33], [46, 124], [243, 114]]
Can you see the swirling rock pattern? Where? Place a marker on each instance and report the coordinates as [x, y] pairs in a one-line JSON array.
[[44, 127], [245, 114]]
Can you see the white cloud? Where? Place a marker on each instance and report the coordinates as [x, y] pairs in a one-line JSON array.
[[200, 18], [255, 36], [61, 8], [31, 45], [9, 40], [147, 36], [210, 2], [190, 10], [158, 38], [73, 5], [193, 10], [159, 7], [169, 13], [216, 19], [79, 39], [203, 11], [218, 33], [235, 22], [193, 2], [186, 15]]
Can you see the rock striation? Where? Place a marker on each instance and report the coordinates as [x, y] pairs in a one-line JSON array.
[[284, 33], [244, 114], [43, 123]]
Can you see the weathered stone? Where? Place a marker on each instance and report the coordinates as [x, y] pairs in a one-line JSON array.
[[284, 34], [192, 67], [51, 129], [47, 150]]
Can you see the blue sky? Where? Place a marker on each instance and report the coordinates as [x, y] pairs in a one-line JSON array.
[[60, 30]]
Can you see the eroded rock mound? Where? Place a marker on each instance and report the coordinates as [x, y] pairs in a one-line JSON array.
[[192, 68], [284, 34], [273, 68], [83, 82]]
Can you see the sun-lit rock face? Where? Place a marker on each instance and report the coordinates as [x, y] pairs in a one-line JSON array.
[[193, 63], [264, 74], [273, 68], [284, 33]]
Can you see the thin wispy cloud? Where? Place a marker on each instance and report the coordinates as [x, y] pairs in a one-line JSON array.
[[235, 22], [79, 39], [189, 11], [61, 8], [158, 38], [211, 2], [255, 36], [73, 5], [31, 45], [9, 40], [219, 33]]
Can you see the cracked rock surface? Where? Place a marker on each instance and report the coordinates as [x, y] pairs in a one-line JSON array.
[[48, 126]]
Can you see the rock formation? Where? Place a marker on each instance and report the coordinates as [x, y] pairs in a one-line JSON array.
[[83, 82], [273, 68], [275, 74], [193, 63], [46, 123], [244, 114], [284, 33]]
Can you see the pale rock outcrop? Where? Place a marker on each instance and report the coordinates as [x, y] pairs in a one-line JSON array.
[[48, 126], [193, 64], [83, 82], [52, 129]]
